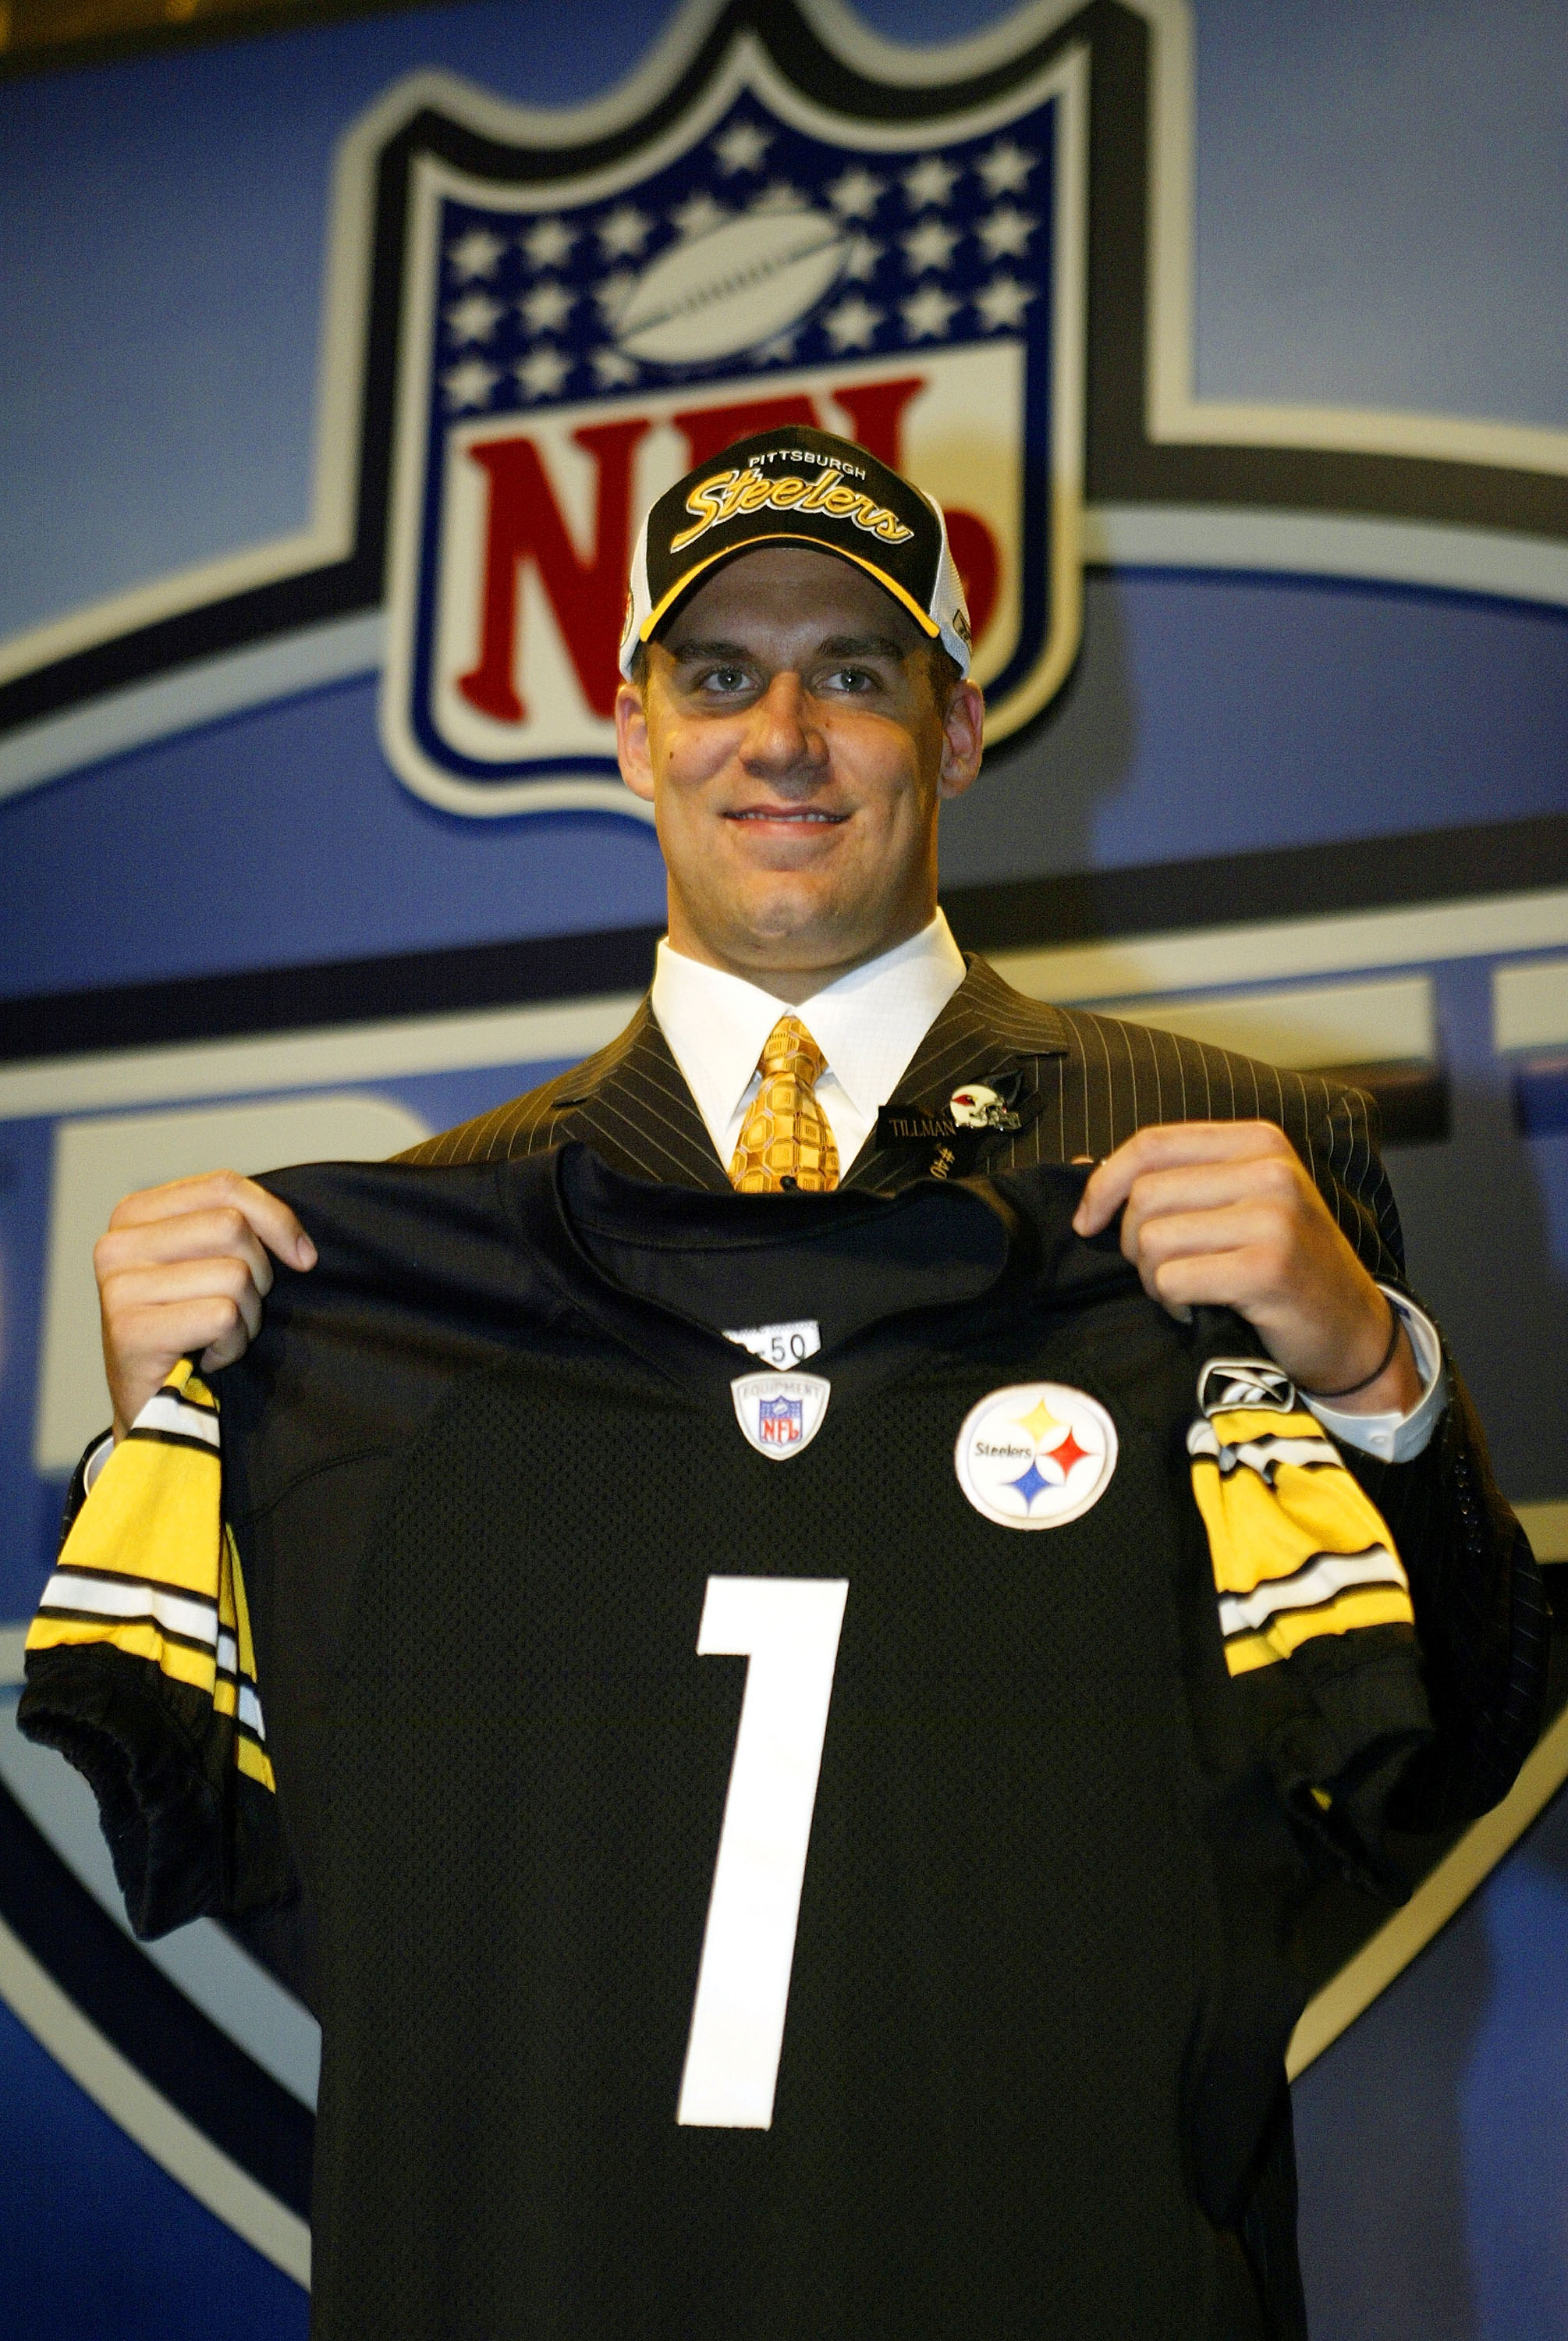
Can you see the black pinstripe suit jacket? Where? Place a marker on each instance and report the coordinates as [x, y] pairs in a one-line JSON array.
[[1086, 1082]]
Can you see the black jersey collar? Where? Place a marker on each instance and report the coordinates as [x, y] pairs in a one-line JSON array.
[[941, 1251], [952, 1255]]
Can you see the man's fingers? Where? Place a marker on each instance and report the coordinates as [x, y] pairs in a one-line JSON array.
[[271, 1221], [1199, 1204], [150, 1339], [222, 1234], [152, 1315], [1225, 1214], [184, 1270], [226, 1349], [1214, 1280], [181, 1284], [164, 1331], [1248, 1232], [1227, 1259], [1171, 1145], [1277, 1182]]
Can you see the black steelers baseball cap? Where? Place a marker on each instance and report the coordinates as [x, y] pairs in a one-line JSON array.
[[795, 485]]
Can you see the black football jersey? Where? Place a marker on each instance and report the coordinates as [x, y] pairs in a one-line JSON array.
[[803, 1724]]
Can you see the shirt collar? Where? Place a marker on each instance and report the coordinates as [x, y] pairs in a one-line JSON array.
[[868, 1024]]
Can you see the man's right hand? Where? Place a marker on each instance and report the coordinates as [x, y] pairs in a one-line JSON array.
[[185, 1267]]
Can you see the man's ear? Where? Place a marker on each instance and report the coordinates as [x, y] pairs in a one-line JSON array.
[[963, 739], [631, 742]]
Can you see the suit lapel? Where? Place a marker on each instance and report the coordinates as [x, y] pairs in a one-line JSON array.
[[637, 1112], [985, 1031]]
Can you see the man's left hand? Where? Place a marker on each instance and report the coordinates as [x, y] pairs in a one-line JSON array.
[[1223, 1213]]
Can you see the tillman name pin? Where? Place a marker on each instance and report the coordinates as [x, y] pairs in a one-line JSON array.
[[976, 1111]]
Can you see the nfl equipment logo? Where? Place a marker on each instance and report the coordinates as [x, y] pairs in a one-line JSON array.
[[780, 1414], [574, 339], [779, 1421]]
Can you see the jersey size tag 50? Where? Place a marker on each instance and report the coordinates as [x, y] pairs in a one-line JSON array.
[[780, 1345]]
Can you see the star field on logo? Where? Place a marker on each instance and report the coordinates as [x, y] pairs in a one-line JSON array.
[[551, 310], [470, 384], [547, 307], [474, 318], [476, 253], [1006, 167], [742, 146], [928, 313], [1002, 304]]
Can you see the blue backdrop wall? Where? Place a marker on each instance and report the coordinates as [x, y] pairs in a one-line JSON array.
[[1301, 783]]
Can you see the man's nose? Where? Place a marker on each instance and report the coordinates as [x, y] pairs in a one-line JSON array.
[[783, 739]]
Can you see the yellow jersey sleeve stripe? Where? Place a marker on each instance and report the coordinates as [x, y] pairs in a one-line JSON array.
[[1324, 1576], [135, 1640], [151, 1569], [1296, 1546], [255, 1764], [152, 1515], [1259, 1532], [1369, 1606]]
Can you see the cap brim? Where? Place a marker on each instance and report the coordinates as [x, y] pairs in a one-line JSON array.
[[683, 585]]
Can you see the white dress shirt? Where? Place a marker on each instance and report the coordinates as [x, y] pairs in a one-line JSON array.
[[868, 1024]]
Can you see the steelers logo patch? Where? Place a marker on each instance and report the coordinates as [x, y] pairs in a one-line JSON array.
[[1035, 1454]]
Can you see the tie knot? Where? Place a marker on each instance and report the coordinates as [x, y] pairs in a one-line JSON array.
[[789, 1048]]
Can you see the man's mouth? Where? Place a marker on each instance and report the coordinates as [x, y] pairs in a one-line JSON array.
[[800, 815]]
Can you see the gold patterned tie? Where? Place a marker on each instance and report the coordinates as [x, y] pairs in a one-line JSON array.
[[785, 1138]]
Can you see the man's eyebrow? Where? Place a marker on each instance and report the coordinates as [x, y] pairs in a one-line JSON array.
[[844, 646], [687, 653], [860, 646]]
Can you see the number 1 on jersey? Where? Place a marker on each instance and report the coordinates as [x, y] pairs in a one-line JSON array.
[[788, 1627]]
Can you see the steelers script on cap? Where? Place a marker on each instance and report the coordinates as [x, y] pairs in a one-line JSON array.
[[1035, 1454], [795, 485]]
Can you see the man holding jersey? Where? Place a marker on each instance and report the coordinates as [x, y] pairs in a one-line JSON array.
[[795, 705]]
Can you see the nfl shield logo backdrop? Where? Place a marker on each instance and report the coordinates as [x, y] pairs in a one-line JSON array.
[[574, 339]]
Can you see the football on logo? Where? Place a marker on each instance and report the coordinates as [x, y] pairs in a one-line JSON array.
[[1035, 1454], [732, 288]]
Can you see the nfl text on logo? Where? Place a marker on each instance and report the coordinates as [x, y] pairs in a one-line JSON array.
[[1035, 1454], [570, 346]]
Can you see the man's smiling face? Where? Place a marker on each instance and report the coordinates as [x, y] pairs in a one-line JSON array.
[[789, 735]]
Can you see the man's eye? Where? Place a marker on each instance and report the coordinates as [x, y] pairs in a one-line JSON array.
[[852, 678], [725, 679]]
